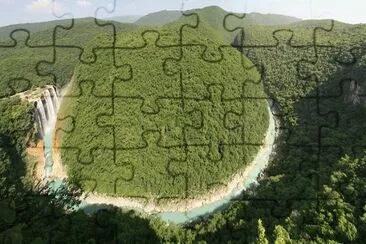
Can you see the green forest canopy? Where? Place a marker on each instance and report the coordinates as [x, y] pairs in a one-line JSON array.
[[163, 128], [314, 193]]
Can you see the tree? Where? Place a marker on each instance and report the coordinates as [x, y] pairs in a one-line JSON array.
[[281, 236], [262, 239]]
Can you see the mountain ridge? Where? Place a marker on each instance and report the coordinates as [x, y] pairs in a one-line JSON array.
[[167, 16]]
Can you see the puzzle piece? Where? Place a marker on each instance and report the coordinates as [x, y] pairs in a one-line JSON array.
[[77, 26], [29, 77], [106, 32], [108, 73], [227, 121], [213, 131], [60, 67], [187, 173], [152, 176], [195, 31], [124, 120], [194, 83], [146, 63], [88, 126], [244, 35], [129, 123]]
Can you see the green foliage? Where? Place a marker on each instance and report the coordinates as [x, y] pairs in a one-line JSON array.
[[261, 239], [16, 120], [150, 124], [29, 63], [292, 72], [311, 171], [281, 236]]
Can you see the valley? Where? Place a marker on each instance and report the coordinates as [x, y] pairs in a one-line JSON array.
[[177, 115]]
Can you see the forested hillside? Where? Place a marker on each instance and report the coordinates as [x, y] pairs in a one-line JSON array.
[[313, 190], [178, 114], [27, 52]]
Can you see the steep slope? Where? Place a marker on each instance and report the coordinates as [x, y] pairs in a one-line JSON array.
[[326, 96], [286, 45]]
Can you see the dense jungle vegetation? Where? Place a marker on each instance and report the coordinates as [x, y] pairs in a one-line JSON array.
[[313, 190], [29, 58], [174, 136]]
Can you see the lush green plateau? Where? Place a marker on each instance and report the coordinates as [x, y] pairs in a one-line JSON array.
[[313, 190]]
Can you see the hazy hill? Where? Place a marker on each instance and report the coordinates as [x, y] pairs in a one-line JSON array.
[[213, 17], [214, 14], [159, 18], [126, 18], [31, 27], [82, 24], [312, 23], [270, 19]]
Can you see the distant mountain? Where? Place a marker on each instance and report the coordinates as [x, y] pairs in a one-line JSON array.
[[49, 26], [312, 23], [159, 18], [270, 19], [126, 18], [213, 18], [214, 14], [31, 27]]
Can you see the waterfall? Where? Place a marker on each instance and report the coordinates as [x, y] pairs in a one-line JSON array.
[[54, 97], [46, 109], [49, 106], [41, 116]]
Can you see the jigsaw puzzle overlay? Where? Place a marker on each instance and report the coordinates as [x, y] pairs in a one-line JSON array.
[[180, 122], [165, 115]]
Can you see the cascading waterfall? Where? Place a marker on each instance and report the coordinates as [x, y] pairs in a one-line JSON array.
[[49, 106], [46, 115], [46, 109], [54, 96], [41, 117]]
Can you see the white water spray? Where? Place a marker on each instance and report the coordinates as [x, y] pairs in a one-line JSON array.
[[41, 117], [54, 97], [46, 109]]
